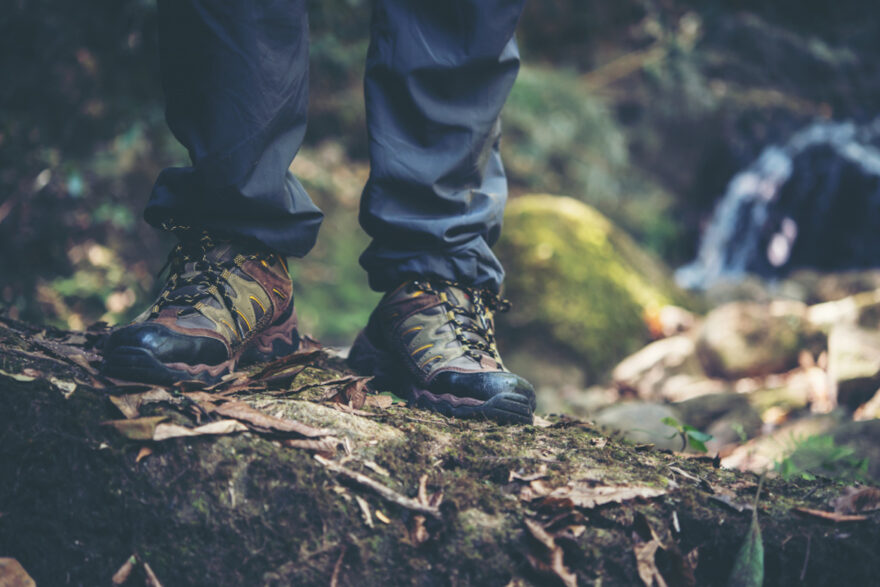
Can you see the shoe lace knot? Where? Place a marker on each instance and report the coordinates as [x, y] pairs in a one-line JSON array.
[[473, 324], [193, 275]]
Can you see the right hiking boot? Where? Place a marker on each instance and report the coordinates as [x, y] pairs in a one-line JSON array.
[[432, 342], [222, 306]]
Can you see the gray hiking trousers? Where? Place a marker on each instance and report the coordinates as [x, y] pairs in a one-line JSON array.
[[235, 76]]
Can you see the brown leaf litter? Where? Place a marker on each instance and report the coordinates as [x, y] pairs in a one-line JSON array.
[[548, 557]]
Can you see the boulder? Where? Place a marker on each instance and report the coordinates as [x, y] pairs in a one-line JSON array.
[[642, 422], [854, 363], [728, 417], [646, 371], [862, 309], [578, 282], [745, 339]]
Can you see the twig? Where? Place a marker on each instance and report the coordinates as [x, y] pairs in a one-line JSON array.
[[302, 388], [152, 580], [334, 578], [381, 490], [806, 557]]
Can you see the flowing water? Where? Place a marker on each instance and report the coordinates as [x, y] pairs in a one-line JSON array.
[[813, 202]]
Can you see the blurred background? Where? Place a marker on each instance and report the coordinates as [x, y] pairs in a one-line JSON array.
[[715, 178]]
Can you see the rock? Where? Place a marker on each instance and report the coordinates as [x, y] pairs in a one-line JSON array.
[[577, 282], [744, 339], [862, 309], [642, 422], [728, 417], [684, 387], [824, 286], [575, 401], [667, 369], [701, 411], [646, 371], [869, 410], [854, 363]]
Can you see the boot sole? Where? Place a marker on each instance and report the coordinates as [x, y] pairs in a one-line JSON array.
[[506, 408], [139, 364]]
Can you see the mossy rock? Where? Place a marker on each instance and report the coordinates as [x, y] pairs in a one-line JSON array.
[[578, 282]]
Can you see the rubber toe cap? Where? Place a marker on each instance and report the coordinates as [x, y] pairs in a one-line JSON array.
[[167, 345], [482, 385]]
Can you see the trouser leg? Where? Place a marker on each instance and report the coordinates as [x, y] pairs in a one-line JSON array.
[[437, 76], [235, 75]]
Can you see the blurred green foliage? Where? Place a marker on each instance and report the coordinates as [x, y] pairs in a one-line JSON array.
[[642, 108], [820, 455]]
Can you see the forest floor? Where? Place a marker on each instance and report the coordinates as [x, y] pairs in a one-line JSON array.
[[297, 473]]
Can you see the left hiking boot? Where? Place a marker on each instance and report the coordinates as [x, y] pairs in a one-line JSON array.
[[433, 343], [223, 305]]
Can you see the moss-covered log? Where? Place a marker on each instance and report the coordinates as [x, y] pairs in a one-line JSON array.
[[77, 499]]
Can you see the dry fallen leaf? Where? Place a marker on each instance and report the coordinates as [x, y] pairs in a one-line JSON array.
[[18, 376], [379, 401], [143, 453], [263, 422], [282, 364], [645, 561], [856, 500], [12, 574], [65, 387], [130, 403], [204, 399], [831, 516], [584, 495], [550, 558], [136, 428], [122, 575], [168, 431], [355, 393], [517, 476]]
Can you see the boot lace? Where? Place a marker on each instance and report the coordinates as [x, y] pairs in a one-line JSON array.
[[476, 320], [204, 279]]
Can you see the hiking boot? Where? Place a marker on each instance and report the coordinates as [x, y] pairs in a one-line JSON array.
[[223, 305], [433, 342]]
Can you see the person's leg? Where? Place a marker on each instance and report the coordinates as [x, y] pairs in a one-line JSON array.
[[235, 76], [438, 74]]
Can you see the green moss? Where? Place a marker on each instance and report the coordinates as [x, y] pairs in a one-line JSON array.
[[579, 281]]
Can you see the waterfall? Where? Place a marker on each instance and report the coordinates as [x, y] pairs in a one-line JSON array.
[[813, 202]]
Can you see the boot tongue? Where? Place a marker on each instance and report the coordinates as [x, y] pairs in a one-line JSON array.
[[220, 253], [458, 297]]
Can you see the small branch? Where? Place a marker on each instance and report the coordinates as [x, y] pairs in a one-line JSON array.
[[381, 490]]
